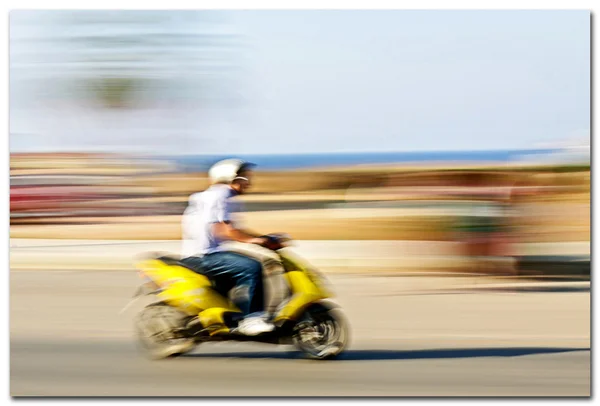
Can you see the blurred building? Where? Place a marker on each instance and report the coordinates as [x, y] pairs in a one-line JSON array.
[[46, 185]]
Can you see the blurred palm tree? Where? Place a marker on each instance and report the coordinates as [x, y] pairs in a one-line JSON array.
[[134, 58]]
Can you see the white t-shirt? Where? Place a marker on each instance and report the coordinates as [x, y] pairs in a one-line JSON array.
[[205, 209]]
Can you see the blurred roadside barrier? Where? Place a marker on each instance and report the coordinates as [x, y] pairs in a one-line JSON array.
[[331, 256]]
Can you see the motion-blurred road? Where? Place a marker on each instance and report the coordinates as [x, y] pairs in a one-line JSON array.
[[412, 336]]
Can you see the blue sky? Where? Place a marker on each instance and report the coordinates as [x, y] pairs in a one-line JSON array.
[[324, 81]]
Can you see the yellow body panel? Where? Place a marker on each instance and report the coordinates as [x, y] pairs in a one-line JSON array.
[[188, 291], [306, 287]]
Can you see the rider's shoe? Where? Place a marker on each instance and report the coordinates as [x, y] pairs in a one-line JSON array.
[[252, 326]]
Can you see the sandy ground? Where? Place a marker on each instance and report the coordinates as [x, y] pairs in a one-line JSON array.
[[412, 336]]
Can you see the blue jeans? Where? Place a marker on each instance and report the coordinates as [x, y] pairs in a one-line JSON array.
[[230, 270]]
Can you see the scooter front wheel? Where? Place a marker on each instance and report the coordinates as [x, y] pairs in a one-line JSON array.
[[321, 333]]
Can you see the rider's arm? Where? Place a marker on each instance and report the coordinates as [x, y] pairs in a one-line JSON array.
[[223, 229], [226, 231]]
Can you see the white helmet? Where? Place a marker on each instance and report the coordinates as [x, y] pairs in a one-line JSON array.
[[227, 170]]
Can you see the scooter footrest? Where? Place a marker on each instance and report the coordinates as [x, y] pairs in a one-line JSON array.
[[217, 329]]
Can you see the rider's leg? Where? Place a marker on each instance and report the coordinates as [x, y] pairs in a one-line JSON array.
[[194, 263], [257, 301], [245, 272], [248, 291], [221, 283], [243, 275]]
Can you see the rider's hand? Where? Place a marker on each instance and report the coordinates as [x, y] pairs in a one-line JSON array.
[[270, 242]]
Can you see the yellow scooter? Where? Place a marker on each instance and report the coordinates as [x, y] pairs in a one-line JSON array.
[[189, 311]]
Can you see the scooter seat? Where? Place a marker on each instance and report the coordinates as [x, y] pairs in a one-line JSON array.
[[169, 260], [177, 262]]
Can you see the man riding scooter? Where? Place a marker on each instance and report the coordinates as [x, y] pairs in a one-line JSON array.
[[207, 224]]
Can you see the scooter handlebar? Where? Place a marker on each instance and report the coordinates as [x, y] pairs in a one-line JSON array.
[[277, 241]]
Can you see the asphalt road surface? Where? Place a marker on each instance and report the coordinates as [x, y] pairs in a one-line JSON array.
[[411, 337]]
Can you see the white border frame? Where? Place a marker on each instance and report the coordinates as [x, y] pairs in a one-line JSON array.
[[240, 4]]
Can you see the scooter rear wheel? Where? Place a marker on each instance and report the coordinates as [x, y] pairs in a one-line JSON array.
[[156, 329]]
